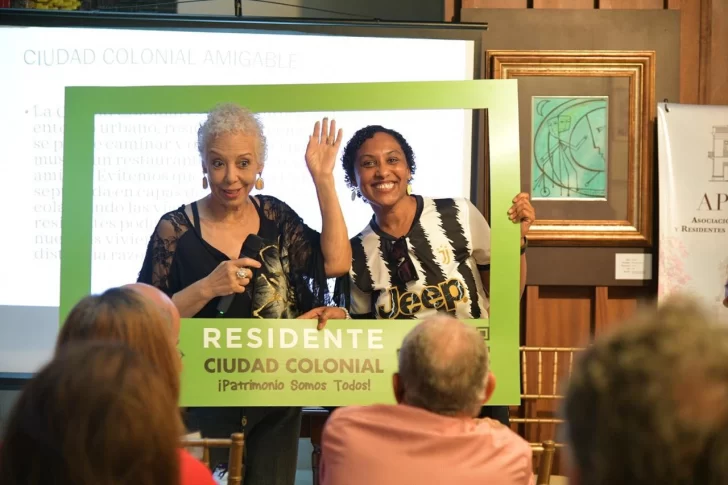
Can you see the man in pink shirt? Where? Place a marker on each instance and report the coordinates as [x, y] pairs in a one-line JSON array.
[[430, 436]]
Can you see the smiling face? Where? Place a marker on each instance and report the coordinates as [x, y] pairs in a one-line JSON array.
[[382, 172], [231, 164]]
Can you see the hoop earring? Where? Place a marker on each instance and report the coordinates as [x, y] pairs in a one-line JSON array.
[[259, 184], [353, 194], [204, 182]]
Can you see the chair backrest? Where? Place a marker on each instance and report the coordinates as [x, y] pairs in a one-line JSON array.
[[544, 373], [552, 369], [236, 444], [543, 460]]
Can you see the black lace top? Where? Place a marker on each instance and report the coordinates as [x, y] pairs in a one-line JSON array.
[[291, 280]]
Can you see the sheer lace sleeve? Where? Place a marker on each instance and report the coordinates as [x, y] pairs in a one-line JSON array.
[[300, 250], [161, 251]]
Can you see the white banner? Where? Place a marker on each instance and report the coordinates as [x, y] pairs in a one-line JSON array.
[[693, 182]]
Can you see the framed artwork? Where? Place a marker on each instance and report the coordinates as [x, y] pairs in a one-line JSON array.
[[587, 145]]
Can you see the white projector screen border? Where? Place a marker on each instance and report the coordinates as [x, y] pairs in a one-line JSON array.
[[28, 331]]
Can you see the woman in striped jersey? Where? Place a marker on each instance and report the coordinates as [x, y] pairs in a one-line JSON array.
[[418, 256]]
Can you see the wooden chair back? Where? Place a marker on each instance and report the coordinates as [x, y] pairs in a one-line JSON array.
[[543, 460], [236, 444], [544, 373]]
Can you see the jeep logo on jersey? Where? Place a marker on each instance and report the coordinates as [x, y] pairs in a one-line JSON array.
[[442, 297]]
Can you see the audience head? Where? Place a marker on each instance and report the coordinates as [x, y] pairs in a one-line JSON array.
[[443, 368], [98, 413], [125, 315], [648, 404], [162, 301]]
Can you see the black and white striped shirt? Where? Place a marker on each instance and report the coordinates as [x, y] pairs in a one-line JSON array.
[[449, 244]]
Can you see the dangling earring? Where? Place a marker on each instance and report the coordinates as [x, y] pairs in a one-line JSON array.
[[353, 194], [204, 182], [409, 189], [259, 184]]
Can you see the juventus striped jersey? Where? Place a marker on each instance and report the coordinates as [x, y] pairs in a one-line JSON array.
[[448, 244]]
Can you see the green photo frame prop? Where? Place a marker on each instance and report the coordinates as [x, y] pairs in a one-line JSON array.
[[200, 387]]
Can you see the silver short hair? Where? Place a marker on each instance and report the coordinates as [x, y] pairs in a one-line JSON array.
[[231, 118], [443, 364]]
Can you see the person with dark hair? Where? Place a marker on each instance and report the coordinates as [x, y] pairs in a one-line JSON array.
[[197, 255], [414, 243], [360, 138], [98, 413], [648, 403], [430, 435], [418, 256]]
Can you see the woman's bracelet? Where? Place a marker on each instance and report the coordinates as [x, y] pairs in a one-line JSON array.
[[346, 312]]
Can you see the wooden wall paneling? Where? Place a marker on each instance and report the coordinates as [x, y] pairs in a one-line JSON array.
[[703, 58], [689, 49], [451, 10], [717, 90], [704, 42], [558, 316], [494, 4], [609, 312], [613, 305], [632, 4], [573, 4]]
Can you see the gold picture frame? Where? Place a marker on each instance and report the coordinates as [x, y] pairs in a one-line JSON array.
[[618, 211]]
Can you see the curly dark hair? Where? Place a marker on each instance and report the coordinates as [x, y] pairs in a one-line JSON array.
[[352, 147]]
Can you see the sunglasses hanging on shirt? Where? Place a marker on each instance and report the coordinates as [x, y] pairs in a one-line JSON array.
[[405, 268]]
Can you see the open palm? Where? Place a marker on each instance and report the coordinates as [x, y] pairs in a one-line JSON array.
[[323, 145]]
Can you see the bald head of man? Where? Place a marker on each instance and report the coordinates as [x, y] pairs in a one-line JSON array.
[[443, 368], [162, 301]]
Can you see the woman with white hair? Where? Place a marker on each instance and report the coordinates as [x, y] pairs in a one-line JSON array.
[[197, 256]]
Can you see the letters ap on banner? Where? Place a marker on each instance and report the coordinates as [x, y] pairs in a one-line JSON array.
[[693, 178]]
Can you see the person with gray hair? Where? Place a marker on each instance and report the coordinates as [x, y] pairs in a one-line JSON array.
[[431, 435], [648, 403], [199, 255], [443, 365]]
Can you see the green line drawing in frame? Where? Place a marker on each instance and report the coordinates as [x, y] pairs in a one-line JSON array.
[[569, 147], [499, 97]]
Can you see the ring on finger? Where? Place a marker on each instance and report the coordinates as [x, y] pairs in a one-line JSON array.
[[242, 273]]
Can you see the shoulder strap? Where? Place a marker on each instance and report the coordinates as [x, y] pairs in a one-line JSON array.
[[196, 219]]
